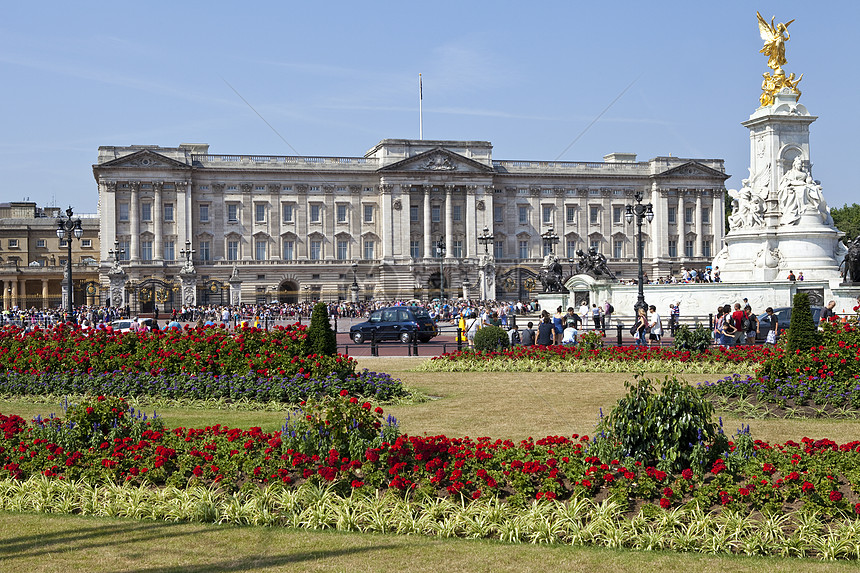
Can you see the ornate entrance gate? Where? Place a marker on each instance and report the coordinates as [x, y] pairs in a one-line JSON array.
[[516, 283], [213, 292], [145, 295]]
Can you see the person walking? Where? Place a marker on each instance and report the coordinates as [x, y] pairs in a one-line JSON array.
[[608, 309], [472, 326], [773, 333], [718, 327], [640, 327], [596, 316], [656, 326], [738, 318]]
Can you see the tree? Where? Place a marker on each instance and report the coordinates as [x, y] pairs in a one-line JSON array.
[[802, 332], [847, 220], [322, 339]]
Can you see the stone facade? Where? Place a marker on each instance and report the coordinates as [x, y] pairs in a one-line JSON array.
[[33, 259], [292, 226]]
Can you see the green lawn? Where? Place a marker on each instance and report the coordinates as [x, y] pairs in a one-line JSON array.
[[475, 404]]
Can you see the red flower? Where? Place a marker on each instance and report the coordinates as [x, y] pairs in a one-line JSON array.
[[807, 487], [687, 474], [835, 496], [665, 503]]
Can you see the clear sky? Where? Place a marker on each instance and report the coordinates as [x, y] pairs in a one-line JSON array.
[[333, 78]]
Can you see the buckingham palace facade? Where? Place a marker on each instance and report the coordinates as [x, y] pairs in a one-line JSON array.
[[308, 228]]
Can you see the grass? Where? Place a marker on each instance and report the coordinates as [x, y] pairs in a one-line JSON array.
[[35, 543], [499, 405]]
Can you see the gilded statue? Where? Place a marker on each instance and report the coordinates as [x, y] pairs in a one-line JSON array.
[[775, 37]]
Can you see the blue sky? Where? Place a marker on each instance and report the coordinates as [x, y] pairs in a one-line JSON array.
[[333, 78]]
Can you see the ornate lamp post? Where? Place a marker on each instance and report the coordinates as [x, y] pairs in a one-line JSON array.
[[354, 288], [440, 252], [486, 239], [639, 211], [66, 229], [550, 239]]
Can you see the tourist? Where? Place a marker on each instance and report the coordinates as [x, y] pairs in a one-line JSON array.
[[800, 276], [656, 325], [569, 336], [583, 312], [773, 333], [640, 327], [751, 325], [738, 318], [718, 327], [791, 276], [716, 274], [546, 332], [596, 316], [472, 326], [571, 316], [729, 328], [514, 336], [827, 312], [558, 325], [527, 337], [608, 309]]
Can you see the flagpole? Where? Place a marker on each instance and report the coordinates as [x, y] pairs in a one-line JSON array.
[[420, 108]]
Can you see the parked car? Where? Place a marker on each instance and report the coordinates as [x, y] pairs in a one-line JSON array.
[[125, 324], [783, 317], [403, 323]]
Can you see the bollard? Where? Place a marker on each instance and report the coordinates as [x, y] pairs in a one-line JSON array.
[[415, 346], [711, 321], [620, 328], [335, 323], [374, 349], [459, 339]]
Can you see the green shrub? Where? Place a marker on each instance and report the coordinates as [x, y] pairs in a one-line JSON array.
[[322, 339], [673, 429], [491, 338], [591, 340], [802, 332], [695, 340]]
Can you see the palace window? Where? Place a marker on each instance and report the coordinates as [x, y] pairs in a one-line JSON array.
[[287, 211], [688, 248], [123, 211], [523, 249], [499, 249], [146, 211], [289, 250], [617, 215], [594, 215], [341, 249], [204, 213], [13, 243], [688, 215], [498, 213], [41, 243], [415, 249], [413, 213], [316, 213], [435, 213], [168, 212], [341, 213], [595, 244], [672, 215], [617, 248], [571, 248], [232, 250], [125, 251], [546, 211], [368, 250], [203, 248], [260, 212], [169, 251], [233, 213], [706, 249], [523, 214], [458, 249], [457, 213], [260, 249], [706, 216], [570, 211], [316, 250], [673, 248], [368, 213], [146, 250]]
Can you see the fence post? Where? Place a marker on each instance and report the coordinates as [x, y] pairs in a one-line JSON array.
[[620, 327]]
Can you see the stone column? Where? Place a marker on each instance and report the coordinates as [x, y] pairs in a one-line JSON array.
[[188, 282], [15, 301], [7, 297], [386, 228], [471, 226], [428, 225], [699, 229], [158, 223], [235, 287], [660, 224], [449, 222], [134, 222], [118, 279], [107, 213], [44, 293]]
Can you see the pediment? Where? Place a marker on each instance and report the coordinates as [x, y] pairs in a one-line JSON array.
[[438, 160], [145, 159], [693, 169]]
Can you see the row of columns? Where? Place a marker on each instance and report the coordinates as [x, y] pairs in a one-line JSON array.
[[13, 291]]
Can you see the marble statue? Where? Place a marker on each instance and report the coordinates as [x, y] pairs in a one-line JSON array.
[[799, 194]]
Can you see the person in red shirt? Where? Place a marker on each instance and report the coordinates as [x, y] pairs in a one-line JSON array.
[[738, 317]]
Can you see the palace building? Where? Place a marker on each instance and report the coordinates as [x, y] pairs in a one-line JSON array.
[[306, 228]]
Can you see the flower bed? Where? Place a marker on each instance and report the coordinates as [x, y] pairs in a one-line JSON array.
[[607, 358], [819, 475], [204, 386]]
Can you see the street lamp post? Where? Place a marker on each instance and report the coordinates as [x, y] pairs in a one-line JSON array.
[[486, 239], [440, 252], [550, 239], [354, 287], [66, 229], [639, 211]]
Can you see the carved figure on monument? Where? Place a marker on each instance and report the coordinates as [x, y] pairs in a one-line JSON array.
[[774, 37], [593, 264], [799, 194], [550, 274], [850, 265], [747, 206]]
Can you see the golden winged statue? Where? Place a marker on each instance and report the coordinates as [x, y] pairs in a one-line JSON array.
[[774, 37]]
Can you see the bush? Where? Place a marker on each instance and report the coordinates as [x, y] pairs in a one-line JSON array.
[[322, 339], [591, 340], [802, 333], [695, 340], [490, 338], [673, 429]]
